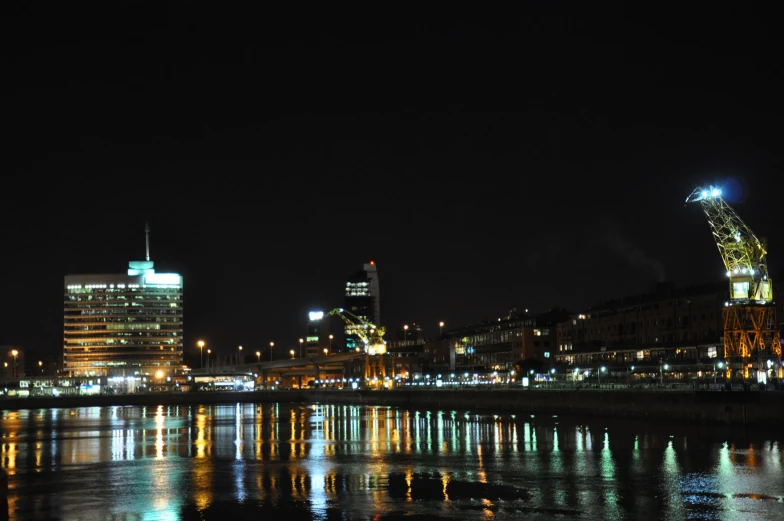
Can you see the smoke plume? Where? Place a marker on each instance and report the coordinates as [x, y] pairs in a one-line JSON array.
[[614, 239]]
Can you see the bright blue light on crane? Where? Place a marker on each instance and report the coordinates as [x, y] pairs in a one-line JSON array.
[[716, 192]]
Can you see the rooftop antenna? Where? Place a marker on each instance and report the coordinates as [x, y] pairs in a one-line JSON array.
[[147, 238]]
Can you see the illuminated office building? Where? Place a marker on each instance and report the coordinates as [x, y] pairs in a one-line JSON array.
[[362, 300], [124, 324], [315, 340]]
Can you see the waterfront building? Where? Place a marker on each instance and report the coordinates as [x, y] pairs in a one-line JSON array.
[[484, 346], [124, 325], [679, 326], [539, 336], [362, 300]]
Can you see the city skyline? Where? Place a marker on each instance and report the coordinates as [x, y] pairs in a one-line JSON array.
[[223, 349], [267, 262], [482, 185]]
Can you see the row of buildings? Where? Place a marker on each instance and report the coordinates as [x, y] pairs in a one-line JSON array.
[[132, 324], [669, 334]]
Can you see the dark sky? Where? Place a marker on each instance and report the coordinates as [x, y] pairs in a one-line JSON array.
[[483, 161]]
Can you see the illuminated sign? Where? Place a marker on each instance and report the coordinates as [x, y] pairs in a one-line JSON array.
[[315, 315], [167, 279], [312, 339]]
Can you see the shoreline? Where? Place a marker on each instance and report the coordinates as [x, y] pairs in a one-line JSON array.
[[700, 408]]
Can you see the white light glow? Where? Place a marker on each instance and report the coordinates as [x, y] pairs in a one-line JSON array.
[[315, 315], [171, 279]]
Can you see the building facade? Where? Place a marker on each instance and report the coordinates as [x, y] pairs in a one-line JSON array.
[[124, 325], [539, 338], [362, 300], [668, 324], [316, 334], [489, 345]]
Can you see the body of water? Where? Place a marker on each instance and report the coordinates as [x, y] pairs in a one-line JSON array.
[[302, 462]]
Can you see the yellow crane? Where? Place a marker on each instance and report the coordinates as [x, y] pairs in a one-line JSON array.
[[372, 336], [750, 326]]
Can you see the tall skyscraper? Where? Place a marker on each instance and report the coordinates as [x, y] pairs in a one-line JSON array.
[[362, 300], [315, 339], [124, 324]]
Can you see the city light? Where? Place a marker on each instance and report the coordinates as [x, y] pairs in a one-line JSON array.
[[163, 279]]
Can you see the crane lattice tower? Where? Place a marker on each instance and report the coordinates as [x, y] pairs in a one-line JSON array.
[[750, 328]]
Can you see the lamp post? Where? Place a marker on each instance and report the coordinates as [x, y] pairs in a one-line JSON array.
[[330, 342], [208, 357], [239, 354], [405, 334], [664, 367], [15, 353], [441, 329], [326, 352], [258, 356], [200, 343], [720, 365], [272, 344], [41, 365], [292, 354], [301, 341], [602, 369]]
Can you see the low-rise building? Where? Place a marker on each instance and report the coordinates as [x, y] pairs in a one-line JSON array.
[[682, 327]]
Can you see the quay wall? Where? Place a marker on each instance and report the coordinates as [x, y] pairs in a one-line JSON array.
[[764, 408]]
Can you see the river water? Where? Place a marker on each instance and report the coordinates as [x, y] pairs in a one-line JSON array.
[[301, 462]]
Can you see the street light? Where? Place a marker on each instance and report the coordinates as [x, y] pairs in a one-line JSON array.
[[272, 344], [41, 365], [200, 343], [258, 356], [441, 328], [720, 365], [15, 353], [292, 354], [326, 352], [330, 343], [239, 354], [602, 369], [664, 367], [405, 334], [301, 341], [208, 356]]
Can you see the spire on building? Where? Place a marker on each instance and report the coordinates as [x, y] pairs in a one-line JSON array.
[[147, 238]]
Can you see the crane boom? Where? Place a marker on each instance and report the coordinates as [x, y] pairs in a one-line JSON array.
[[744, 255], [750, 325], [370, 334]]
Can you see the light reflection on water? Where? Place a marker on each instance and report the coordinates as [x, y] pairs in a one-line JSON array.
[[292, 461]]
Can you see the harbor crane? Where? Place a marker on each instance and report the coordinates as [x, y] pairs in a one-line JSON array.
[[372, 336], [750, 326]]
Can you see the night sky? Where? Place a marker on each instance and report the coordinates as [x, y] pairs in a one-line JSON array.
[[483, 162]]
